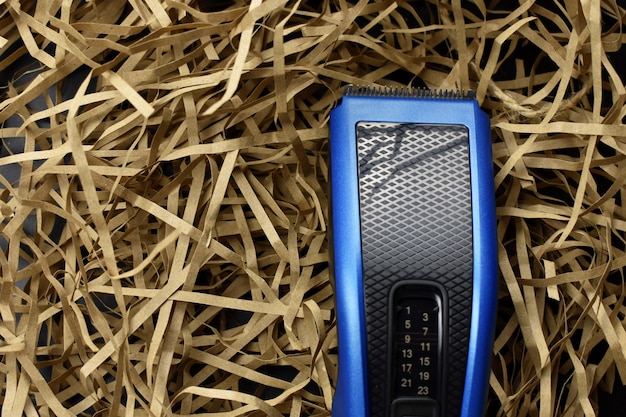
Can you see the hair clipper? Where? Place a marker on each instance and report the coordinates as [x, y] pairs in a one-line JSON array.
[[414, 253]]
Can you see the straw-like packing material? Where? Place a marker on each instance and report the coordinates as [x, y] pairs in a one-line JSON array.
[[164, 214]]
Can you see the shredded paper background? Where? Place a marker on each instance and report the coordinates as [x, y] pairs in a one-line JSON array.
[[163, 205]]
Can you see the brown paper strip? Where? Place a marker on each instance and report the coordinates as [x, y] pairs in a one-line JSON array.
[[164, 209]]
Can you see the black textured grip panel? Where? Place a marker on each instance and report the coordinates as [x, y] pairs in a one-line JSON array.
[[416, 223]]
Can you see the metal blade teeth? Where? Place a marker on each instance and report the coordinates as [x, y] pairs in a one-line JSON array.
[[407, 92]]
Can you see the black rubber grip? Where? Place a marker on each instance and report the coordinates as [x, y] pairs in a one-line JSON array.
[[416, 225]]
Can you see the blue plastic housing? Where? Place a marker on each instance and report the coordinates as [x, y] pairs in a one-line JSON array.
[[351, 396]]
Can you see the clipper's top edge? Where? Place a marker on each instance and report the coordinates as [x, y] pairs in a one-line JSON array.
[[408, 92]]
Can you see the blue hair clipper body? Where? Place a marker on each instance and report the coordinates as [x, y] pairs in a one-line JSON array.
[[414, 253]]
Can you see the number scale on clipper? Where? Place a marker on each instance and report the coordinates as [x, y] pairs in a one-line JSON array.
[[414, 253]]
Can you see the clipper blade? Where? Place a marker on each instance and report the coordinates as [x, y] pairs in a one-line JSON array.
[[408, 92]]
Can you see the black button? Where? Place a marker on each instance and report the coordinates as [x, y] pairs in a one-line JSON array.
[[414, 407]]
